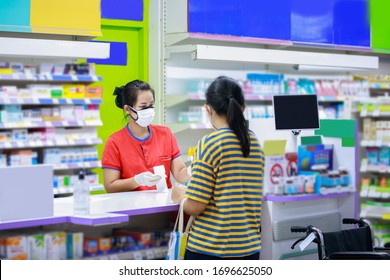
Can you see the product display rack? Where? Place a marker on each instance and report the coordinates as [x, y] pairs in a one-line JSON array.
[[55, 52], [107, 210], [374, 195], [185, 58], [21, 80]]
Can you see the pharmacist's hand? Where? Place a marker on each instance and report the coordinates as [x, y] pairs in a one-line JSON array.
[[178, 191], [147, 179]]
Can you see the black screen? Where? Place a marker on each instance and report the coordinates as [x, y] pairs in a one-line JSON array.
[[296, 111]]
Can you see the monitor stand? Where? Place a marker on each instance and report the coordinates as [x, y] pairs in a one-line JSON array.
[[295, 138]]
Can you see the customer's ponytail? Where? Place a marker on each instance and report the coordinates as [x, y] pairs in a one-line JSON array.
[[225, 96]]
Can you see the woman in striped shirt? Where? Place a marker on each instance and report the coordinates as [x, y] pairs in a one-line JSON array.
[[226, 188]]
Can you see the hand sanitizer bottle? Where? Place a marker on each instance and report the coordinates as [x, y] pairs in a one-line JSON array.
[[81, 199]]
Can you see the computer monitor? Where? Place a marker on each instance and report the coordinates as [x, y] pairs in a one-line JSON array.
[[296, 112]]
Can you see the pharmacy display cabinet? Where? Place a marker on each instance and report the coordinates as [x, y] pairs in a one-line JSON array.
[[49, 106]]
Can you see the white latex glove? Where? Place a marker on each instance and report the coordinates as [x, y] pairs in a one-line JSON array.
[[147, 179], [178, 191]]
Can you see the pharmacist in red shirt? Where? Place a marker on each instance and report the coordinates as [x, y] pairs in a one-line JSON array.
[[130, 154]]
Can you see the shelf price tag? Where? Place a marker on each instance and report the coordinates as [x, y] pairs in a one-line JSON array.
[[29, 76], [371, 192], [158, 253], [376, 111], [364, 191], [364, 111], [137, 255], [385, 195], [113, 257], [150, 255], [382, 169], [363, 166]]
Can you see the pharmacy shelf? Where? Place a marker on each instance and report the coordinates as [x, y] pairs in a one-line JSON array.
[[50, 101], [374, 114], [35, 124], [375, 192], [303, 197], [374, 168], [174, 99], [76, 165], [145, 254], [180, 127], [374, 143], [65, 190], [375, 214], [49, 143], [50, 77]]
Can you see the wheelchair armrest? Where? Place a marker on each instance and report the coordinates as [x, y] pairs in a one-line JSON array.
[[382, 249], [359, 256]]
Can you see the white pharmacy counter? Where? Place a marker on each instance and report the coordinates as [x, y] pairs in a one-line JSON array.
[[105, 209]]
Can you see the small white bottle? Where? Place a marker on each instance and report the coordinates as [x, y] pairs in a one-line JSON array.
[[81, 197]]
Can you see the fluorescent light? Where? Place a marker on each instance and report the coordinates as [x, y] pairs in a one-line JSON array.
[[267, 56], [21, 47], [316, 68]]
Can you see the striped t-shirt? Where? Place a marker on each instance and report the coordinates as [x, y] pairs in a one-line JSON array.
[[232, 187]]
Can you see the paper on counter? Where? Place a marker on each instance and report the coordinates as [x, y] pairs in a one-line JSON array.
[[162, 184]]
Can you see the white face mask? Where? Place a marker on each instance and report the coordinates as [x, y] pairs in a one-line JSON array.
[[145, 116]]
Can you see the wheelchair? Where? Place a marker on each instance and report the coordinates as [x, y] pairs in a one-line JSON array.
[[349, 244]]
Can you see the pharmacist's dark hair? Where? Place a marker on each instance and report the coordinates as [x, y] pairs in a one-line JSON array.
[[128, 94], [225, 96]]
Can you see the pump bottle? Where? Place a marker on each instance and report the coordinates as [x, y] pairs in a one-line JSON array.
[[81, 196]]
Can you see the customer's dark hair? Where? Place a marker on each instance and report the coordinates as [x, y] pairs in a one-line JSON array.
[[225, 96], [128, 94]]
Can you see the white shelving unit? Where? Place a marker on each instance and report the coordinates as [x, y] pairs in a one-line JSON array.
[[183, 57], [374, 196], [33, 51]]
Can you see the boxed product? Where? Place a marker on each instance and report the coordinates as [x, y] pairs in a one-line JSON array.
[[96, 245], [143, 239], [20, 135], [40, 90], [3, 160], [36, 246], [123, 244], [384, 156], [56, 91], [93, 92], [13, 247], [56, 245], [372, 155], [315, 157], [74, 91], [74, 245], [77, 68], [367, 128]]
